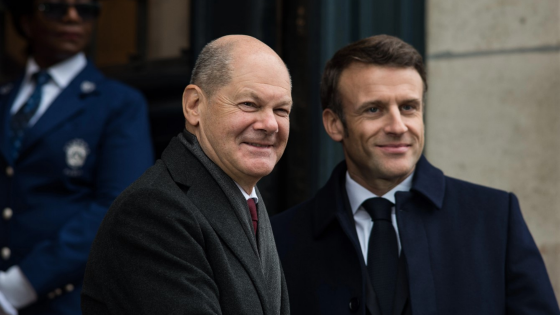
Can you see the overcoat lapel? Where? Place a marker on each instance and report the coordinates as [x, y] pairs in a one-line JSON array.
[[226, 213], [70, 101], [269, 257], [225, 184], [335, 193], [8, 94], [414, 210], [411, 213]]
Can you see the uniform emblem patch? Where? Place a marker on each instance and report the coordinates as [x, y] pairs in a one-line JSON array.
[[76, 151]]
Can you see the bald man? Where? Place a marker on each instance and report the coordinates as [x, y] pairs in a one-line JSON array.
[[192, 235]]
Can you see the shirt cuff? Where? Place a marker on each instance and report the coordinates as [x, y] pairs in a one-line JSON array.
[[16, 288], [6, 307]]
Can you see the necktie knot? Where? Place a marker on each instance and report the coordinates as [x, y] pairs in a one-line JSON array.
[[41, 78], [378, 208]]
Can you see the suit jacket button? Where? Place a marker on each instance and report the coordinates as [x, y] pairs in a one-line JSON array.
[[69, 287], [7, 214], [354, 304], [9, 171], [6, 253]]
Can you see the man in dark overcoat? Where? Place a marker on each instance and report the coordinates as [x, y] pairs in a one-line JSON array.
[[389, 233], [192, 235]]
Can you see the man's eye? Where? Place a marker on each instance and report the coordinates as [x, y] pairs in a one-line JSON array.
[[249, 104], [407, 107], [282, 112], [373, 109]]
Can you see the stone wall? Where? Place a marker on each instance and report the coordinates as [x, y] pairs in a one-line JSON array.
[[493, 108]]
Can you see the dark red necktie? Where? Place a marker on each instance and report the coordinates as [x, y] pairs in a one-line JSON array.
[[253, 210]]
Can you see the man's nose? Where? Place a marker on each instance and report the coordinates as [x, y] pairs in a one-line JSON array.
[[266, 121], [395, 123], [71, 14]]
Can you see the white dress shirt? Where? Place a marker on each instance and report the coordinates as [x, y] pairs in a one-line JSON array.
[[247, 196], [61, 75], [15, 290], [357, 194]]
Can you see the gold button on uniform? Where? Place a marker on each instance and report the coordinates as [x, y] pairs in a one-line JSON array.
[[58, 291], [6, 252], [9, 171], [69, 287], [51, 295], [7, 214]]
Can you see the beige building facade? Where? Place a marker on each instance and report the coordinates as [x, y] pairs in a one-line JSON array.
[[493, 106]]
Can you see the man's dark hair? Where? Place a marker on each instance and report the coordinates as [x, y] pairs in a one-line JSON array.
[[381, 50], [212, 69]]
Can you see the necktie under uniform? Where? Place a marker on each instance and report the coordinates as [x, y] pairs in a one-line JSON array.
[[383, 253], [20, 120]]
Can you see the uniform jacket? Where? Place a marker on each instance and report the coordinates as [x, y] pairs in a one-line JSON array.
[[467, 248], [90, 144], [180, 241]]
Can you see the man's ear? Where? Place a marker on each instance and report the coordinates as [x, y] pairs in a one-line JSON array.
[[24, 22], [192, 101], [333, 125]]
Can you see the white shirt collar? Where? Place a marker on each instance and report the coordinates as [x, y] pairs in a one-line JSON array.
[[357, 194], [252, 195], [61, 73]]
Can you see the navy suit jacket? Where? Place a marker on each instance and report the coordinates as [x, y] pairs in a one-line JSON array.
[[467, 247], [91, 143]]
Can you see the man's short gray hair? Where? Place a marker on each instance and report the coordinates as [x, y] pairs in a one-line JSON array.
[[212, 69]]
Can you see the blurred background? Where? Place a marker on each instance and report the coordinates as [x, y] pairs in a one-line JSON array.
[[493, 74]]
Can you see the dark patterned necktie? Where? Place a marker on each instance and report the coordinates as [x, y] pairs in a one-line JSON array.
[[20, 120], [383, 253], [254, 216]]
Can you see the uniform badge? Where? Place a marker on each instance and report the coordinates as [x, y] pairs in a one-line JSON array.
[[76, 151]]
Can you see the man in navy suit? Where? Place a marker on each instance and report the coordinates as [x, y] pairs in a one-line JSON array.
[[70, 141], [389, 233]]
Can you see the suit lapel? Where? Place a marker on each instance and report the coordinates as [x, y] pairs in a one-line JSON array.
[[218, 198], [8, 94], [69, 102], [401, 294]]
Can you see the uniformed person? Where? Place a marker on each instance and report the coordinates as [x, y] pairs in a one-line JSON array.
[[70, 141]]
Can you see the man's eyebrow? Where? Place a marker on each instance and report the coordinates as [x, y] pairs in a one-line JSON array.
[[368, 104], [255, 96], [410, 101], [383, 103], [259, 99]]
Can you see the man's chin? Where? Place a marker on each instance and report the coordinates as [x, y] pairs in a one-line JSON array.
[[398, 172], [258, 169]]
